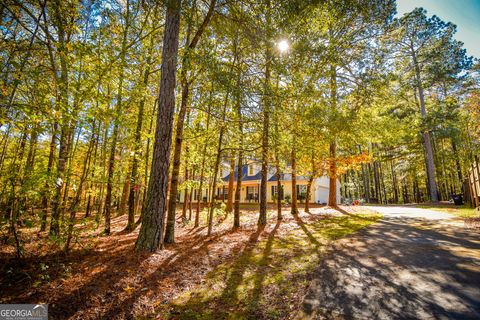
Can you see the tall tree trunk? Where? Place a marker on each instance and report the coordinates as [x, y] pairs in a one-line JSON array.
[[66, 126], [124, 198], [309, 194], [217, 164], [186, 194], [57, 205], [190, 196], [238, 189], [332, 194], [134, 190], [76, 201], [202, 170], [406, 198], [382, 179], [313, 174], [116, 128], [278, 173], [147, 162], [30, 161], [262, 217], [294, 180], [376, 180], [231, 182], [46, 188], [365, 192], [151, 232], [394, 183], [5, 145], [103, 159], [185, 87], [172, 201], [427, 143], [14, 177], [16, 183], [457, 163], [92, 176], [239, 118]]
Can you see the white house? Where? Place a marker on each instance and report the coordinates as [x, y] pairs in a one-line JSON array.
[[251, 180]]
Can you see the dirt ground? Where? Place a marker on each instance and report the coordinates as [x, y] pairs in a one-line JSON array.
[[104, 278]]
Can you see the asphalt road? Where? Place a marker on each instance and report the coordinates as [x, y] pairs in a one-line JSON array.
[[413, 264]]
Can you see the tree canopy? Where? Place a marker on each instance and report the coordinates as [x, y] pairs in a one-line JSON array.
[[117, 107]]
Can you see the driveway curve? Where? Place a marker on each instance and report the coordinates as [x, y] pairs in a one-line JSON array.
[[413, 264]]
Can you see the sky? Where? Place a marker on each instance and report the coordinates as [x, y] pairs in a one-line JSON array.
[[463, 13]]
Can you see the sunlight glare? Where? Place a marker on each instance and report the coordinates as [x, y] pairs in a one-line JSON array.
[[283, 46]]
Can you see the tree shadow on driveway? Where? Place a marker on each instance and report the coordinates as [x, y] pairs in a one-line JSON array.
[[399, 268]]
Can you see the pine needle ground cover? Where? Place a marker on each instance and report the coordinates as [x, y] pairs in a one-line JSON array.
[[268, 279], [248, 273]]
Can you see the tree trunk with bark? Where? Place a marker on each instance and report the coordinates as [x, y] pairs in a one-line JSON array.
[[202, 168], [66, 126], [151, 237], [294, 209], [332, 194], [262, 217], [116, 128], [427, 143], [217, 165], [185, 87], [46, 188], [231, 182]]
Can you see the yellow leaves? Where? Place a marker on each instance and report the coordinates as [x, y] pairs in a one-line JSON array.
[[128, 289], [350, 162]]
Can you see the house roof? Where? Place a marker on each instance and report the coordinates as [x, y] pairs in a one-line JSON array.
[[282, 177], [258, 176], [286, 177], [245, 176]]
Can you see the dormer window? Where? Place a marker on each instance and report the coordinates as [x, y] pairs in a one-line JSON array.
[[251, 170]]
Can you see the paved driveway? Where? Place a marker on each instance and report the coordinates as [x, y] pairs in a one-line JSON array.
[[414, 264]]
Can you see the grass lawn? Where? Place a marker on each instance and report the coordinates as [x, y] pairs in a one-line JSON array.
[[463, 211], [268, 279]]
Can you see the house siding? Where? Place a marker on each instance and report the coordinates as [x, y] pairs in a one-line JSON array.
[[251, 178], [319, 193]]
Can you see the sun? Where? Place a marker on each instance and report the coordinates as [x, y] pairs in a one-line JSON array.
[[283, 46]]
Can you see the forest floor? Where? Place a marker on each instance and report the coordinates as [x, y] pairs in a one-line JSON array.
[[253, 272]]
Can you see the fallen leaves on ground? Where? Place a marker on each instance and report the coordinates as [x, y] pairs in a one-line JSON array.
[[253, 271]]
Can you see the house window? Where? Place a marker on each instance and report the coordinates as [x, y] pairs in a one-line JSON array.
[[275, 192], [251, 171], [301, 191], [252, 193]]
